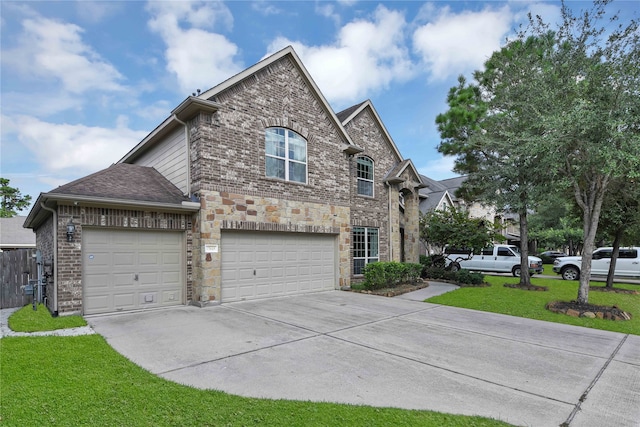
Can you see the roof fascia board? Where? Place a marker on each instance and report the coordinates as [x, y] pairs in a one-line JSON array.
[[104, 201], [192, 105], [265, 63]]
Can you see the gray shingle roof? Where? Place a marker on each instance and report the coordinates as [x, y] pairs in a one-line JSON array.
[[125, 182], [13, 235], [344, 114]]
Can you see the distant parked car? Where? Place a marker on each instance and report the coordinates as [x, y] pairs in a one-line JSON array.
[[549, 256], [627, 265]]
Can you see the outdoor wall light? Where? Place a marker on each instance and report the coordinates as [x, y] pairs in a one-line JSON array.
[[71, 228]]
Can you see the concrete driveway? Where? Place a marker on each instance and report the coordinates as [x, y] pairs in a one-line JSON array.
[[369, 350]]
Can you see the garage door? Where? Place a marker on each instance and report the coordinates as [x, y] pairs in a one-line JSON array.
[[129, 270], [262, 265]]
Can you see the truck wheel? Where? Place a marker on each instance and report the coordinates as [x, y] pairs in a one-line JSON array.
[[516, 271], [455, 267], [570, 273]]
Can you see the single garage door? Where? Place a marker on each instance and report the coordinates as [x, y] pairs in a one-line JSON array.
[[129, 270], [261, 265]]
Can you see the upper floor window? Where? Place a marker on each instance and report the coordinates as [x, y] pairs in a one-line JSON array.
[[364, 174], [286, 155]]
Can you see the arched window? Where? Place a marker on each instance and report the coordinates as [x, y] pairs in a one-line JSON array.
[[286, 155], [364, 173]]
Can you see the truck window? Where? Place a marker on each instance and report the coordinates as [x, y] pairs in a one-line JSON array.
[[505, 252], [487, 251], [628, 253]]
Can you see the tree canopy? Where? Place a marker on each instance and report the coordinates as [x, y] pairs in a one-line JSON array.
[[559, 105], [12, 200]]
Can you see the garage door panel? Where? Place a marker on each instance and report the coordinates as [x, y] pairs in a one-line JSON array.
[[124, 301], [285, 264], [113, 259]]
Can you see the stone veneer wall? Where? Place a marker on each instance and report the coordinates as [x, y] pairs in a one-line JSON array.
[[221, 210], [69, 278]]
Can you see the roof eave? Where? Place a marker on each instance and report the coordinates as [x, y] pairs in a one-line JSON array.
[[36, 215]]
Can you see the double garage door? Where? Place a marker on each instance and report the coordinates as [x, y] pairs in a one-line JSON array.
[[261, 265], [129, 270]]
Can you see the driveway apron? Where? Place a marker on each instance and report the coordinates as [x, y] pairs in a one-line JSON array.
[[368, 350]]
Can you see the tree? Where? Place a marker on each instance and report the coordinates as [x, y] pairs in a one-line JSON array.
[[594, 120], [556, 223], [620, 219], [454, 228], [492, 127], [12, 200]]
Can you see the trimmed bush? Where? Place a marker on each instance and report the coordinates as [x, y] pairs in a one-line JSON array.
[[378, 275], [468, 278], [464, 277]]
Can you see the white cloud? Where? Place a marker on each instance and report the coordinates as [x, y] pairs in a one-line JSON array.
[[71, 148], [198, 58], [367, 56], [265, 8], [452, 44], [94, 12], [49, 49]]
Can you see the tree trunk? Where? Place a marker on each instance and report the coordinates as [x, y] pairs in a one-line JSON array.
[[614, 257], [525, 279], [590, 200]]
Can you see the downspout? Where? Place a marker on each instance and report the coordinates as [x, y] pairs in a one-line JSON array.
[[55, 257], [187, 137], [390, 216]]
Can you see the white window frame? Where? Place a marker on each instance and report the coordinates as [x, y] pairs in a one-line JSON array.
[[286, 158], [365, 180], [366, 233]]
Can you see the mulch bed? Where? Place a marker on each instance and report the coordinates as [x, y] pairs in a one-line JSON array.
[[614, 290], [526, 288], [395, 291], [572, 308]]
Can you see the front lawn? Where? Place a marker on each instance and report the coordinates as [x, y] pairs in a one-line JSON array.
[[72, 381], [531, 304], [28, 320]]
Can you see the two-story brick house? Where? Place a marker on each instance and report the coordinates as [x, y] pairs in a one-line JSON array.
[[252, 189]]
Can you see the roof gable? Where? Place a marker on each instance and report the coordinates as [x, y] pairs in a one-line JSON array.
[[289, 52], [351, 113]]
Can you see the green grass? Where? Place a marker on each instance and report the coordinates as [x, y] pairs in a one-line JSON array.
[[531, 304], [28, 320], [72, 381]]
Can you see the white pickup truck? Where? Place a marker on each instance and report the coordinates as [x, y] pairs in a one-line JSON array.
[[627, 264], [498, 259]]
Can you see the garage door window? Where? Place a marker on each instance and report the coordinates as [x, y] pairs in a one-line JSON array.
[[365, 248]]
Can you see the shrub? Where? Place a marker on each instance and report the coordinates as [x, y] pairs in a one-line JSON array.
[[431, 261], [468, 278], [379, 275], [464, 277]]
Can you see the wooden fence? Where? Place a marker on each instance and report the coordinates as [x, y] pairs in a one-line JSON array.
[[16, 268]]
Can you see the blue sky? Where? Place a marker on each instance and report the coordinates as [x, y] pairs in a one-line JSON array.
[[83, 82]]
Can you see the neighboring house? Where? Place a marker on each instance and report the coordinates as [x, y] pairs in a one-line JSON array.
[[13, 236], [441, 194], [252, 189]]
